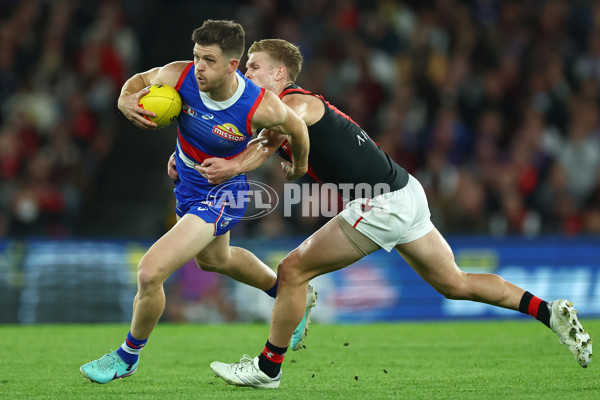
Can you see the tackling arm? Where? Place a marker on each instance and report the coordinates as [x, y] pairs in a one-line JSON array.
[[218, 170], [274, 115]]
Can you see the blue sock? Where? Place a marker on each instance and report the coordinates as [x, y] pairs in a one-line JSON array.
[[130, 349], [273, 291]]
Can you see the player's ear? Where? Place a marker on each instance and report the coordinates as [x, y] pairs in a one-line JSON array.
[[281, 73], [234, 63]]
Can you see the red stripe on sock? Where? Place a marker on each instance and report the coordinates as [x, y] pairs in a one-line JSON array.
[[534, 306], [274, 357], [133, 346]]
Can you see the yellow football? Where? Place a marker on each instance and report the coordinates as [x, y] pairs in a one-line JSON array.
[[164, 101]]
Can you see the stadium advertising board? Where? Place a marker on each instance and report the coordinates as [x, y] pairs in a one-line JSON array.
[[85, 281]]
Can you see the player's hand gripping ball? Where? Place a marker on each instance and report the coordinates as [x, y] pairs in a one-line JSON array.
[[164, 101]]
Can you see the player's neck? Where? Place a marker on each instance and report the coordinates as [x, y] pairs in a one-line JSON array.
[[281, 87], [225, 91]]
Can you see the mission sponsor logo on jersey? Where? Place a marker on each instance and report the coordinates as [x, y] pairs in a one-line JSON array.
[[228, 131]]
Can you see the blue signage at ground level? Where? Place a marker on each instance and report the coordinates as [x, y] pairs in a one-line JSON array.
[[48, 281]]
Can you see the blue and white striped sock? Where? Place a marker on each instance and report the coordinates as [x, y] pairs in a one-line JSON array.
[[130, 349]]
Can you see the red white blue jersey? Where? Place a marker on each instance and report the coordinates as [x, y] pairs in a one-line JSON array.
[[207, 128]]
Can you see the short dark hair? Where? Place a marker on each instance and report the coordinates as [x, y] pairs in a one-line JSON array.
[[228, 35], [283, 51]]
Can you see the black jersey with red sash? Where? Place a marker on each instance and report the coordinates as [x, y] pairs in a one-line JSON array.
[[342, 153]]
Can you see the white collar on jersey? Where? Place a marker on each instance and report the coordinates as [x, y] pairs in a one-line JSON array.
[[222, 105]]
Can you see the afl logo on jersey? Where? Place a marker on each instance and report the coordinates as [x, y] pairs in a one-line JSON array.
[[228, 131], [189, 110]]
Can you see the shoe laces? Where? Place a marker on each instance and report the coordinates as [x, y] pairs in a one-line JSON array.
[[245, 362], [107, 362]]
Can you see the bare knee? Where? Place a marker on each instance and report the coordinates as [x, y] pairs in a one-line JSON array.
[[212, 264], [454, 283], [289, 271], [451, 282], [473, 286], [208, 267], [149, 276], [454, 288]]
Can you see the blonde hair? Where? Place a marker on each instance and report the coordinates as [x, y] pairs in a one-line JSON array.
[[283, 51]]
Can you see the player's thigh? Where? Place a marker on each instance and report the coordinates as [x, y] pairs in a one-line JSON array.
[[432, 258], [180, 244], [326, 250], [215, 253]]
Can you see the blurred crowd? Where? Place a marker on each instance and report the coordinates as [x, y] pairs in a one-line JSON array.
[[61, 66], [493, 105]]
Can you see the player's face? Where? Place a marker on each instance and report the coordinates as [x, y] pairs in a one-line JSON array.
[[210, 67], [261, 70]]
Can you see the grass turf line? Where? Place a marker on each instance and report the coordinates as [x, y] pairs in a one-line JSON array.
[[441, 360]]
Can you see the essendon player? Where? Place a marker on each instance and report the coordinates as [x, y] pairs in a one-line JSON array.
[[341, 152]]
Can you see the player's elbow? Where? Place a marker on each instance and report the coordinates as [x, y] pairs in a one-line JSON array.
[[301, 170]]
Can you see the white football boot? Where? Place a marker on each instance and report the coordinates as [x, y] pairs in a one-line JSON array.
[[564, 322], [245, 373]]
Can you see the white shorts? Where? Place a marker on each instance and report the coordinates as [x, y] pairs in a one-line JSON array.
[[392, 218]]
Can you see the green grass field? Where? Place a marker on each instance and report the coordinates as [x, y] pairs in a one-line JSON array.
[[457, 360]]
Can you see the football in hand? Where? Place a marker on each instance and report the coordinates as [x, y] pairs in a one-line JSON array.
[[164, 101]]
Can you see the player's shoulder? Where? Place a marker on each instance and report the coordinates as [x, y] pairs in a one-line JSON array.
[[298, 98], [270, 111], [170, 73], [296, 95], [306, 104], [269, 102]]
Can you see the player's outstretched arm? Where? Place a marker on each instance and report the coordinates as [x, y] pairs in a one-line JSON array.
[[135, 88], [274, 115], [218, 170]]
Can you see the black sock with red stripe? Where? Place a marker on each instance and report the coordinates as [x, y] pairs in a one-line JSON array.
[[535, 307], [269, 361]]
